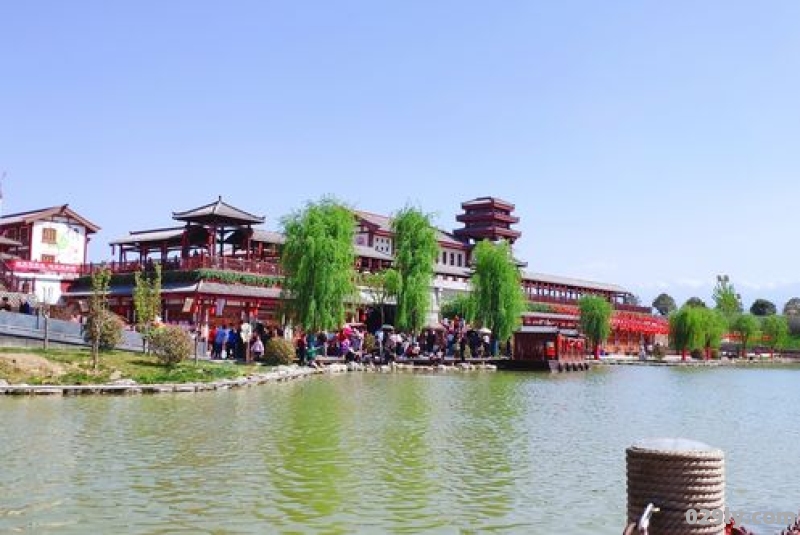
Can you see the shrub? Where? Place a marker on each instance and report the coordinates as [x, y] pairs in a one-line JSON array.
[[658, 351], [714, 353], [370, 345], [170, 344], [110, 329], [697, 353], [279, 351]]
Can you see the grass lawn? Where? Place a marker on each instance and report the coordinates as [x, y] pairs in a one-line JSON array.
[[74, 367]]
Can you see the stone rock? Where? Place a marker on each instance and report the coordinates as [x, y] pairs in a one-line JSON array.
[[115, 375], [123, 382]]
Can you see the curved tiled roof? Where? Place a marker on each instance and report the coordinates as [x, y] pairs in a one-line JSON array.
[[219, 211]]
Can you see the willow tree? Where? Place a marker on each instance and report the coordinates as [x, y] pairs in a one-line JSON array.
[[147, 300], [746, 326], [415, 252], [686, 329], [776, 329], [595, 320], [497, 288], [713, 328], [318, 262]]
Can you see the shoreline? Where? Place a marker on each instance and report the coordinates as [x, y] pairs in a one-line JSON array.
[[123, 387]]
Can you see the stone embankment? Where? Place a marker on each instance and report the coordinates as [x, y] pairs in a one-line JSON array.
[[612, 361], [279, 374]]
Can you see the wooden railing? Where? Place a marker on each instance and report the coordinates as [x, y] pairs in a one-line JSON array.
[[260, 267]]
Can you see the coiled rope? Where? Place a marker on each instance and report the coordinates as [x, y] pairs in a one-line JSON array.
[[678, 476]]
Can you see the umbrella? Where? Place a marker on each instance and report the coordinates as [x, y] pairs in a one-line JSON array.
[[484, 330], [387, 327], [434, 327]]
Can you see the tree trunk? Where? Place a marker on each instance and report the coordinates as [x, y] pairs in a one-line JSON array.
[[597, 352], [708, 352], [683, 354]]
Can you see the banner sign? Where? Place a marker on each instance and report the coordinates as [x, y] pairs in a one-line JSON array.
[[51, 267]]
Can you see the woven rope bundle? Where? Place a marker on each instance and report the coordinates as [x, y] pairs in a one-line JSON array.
[[676, 475]]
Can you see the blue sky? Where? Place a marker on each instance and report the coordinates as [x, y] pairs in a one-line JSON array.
[[649, 144]]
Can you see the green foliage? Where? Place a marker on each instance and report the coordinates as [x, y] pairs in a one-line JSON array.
[[695, 302], [416, 250], [107, 326], [279, 351], [792, 307], [776, 329], [98, 322], [318, 263], [713, 327], [664, 304], [380, 286], [461, 305], [747, 327], [497, 288], [539, 307], [686, 328], [726, 299], [170, 344], [216, 275], [762, 307], [147, 299], [595, 319]]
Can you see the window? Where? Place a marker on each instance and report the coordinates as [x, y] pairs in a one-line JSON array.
[[48, 235], [452, 259], [460, 259], [48, 259], [23, 236], [444, 257], [11, 233]]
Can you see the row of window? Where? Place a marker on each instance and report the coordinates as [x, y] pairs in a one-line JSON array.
[[49, 235], [455, 259]]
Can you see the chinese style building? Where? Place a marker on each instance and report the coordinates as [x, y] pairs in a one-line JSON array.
[[43, 251], [218, 266]]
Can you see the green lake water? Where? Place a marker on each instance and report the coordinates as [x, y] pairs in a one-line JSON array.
[[395, 453]]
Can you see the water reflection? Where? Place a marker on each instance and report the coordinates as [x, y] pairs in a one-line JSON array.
[[505, 453]]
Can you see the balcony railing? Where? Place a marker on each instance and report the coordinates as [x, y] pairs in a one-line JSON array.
[[260, 267], [547, 299]]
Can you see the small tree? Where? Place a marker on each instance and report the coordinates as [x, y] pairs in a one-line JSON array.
[[776, 329], [497, 289], [746, 326], [664, 304], [416, 250], [170, 344], [762, 307], [686, 329], [98, 319], [381, 286], [147, 300], [595, 320], [726, 300], [461, 305]]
